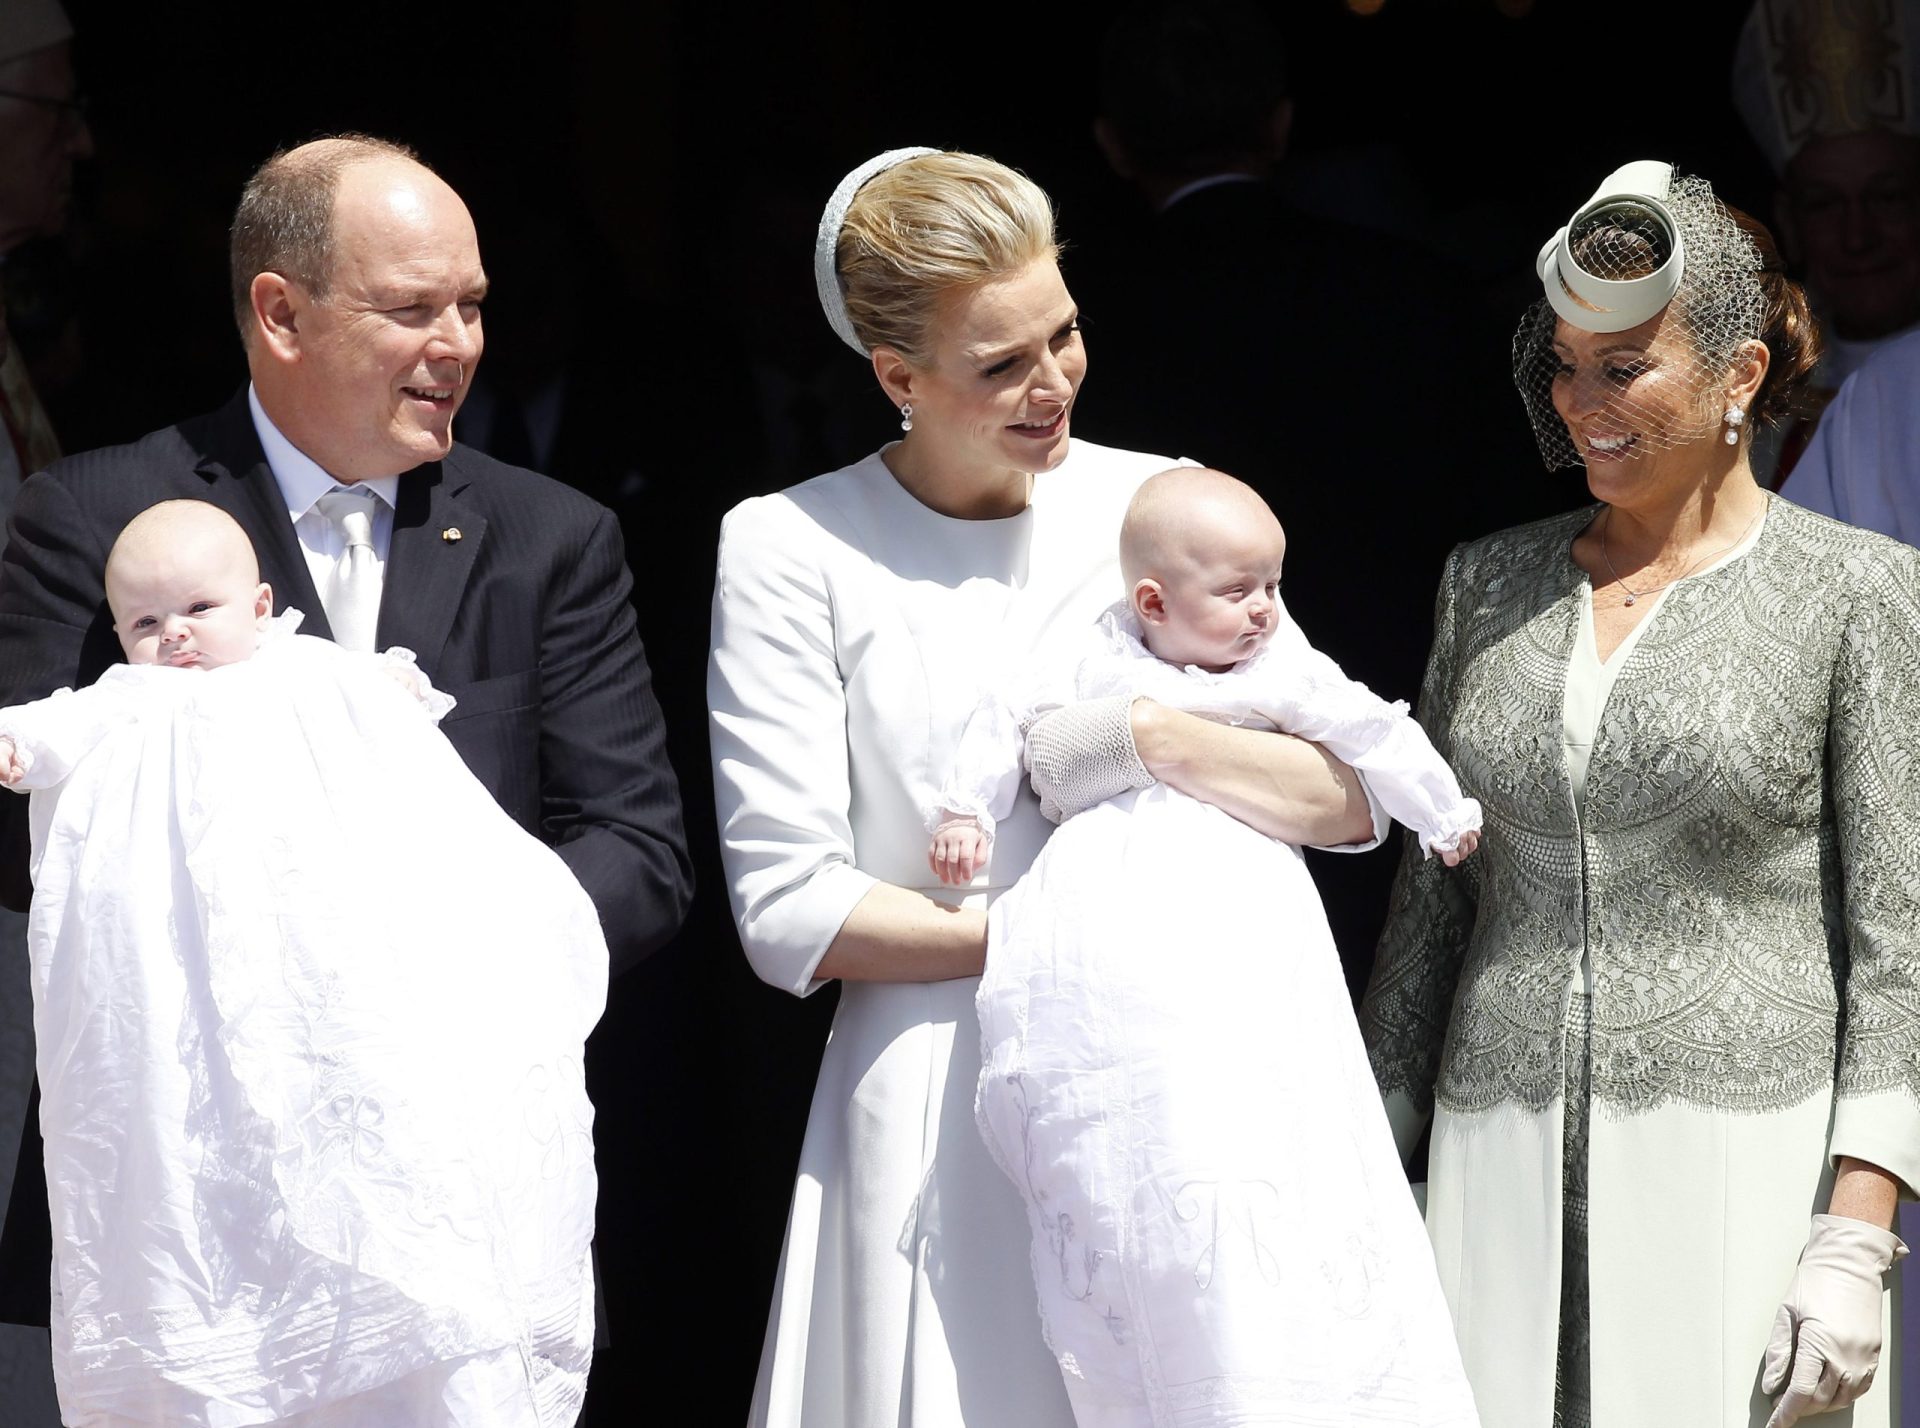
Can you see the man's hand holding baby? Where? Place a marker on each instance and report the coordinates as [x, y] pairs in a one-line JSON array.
[[959, 848]]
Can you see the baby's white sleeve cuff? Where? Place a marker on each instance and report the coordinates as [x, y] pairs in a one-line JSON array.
[[1453, 823]]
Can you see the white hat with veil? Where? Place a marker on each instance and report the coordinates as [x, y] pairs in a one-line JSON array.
[[1655, 257]]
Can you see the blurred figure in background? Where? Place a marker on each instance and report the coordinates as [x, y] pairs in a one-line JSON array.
[[542, 401], [1863, 464], [1827, 89], [43, 130]]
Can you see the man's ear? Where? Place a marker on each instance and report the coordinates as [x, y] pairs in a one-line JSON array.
[[1149, 601], [277, 303], [263, 603]]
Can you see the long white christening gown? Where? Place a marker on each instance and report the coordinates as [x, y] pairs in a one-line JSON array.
[[310, 1012], [1173, 1079]]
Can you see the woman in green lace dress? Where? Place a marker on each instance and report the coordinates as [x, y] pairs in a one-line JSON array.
[[1667, 1024]]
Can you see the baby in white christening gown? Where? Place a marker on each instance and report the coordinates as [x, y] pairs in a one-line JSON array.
[[310, 1012], [1172, 1075]]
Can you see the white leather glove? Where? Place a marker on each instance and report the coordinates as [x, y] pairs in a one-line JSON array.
[[1083, 754], [1825, 1343]]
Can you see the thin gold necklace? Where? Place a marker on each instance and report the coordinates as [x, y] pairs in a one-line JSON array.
[[1632, 594]]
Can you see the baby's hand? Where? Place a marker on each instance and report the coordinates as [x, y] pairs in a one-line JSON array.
[[959, 849], [407, 677], [12, 770], [1468, 842]]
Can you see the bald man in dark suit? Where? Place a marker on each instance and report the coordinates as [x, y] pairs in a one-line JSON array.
[[357, 288]]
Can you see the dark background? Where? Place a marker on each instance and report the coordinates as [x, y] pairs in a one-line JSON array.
[[646, 177]]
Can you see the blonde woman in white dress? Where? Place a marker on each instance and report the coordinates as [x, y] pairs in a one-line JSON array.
[[857, 619]]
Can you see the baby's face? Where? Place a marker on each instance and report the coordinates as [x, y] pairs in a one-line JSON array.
[[1221, 595], [190, 606]]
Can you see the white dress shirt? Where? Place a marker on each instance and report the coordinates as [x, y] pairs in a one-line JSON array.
[[302, 482]]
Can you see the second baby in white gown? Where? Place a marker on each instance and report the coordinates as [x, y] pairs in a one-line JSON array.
[[1171, 1072], [310, 1013]]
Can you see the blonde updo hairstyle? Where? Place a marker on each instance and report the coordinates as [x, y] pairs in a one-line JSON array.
[[931, 226]]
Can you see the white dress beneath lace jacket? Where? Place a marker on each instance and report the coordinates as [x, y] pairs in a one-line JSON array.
[[310, 1013], [1174, 1081]]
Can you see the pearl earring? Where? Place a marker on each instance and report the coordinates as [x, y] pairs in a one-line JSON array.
[[906, 416], [1734, 416]]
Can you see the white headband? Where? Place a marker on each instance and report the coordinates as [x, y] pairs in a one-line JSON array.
[[826, 277], [1596, 304]]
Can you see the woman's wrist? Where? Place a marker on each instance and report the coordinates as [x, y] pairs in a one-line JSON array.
[[897, 934], [1153, 737], [1283, 786], [1863, 1191]]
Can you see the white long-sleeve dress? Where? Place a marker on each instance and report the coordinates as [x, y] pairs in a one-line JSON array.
[[854, 631], [1173, 1079], [310, 1013]]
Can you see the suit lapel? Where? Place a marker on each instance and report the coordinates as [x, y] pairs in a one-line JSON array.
[[436, 537], [240, 482]]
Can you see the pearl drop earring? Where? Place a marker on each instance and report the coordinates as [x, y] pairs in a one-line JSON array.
[[906, 416], [1734, 416]]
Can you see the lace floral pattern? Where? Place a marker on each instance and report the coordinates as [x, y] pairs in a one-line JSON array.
[[1746, 876]]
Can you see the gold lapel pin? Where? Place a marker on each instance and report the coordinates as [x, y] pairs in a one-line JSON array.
[[450, 534]]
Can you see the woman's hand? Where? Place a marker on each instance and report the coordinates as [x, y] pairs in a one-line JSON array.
[[1281, 786], [1083, 754], [1825, 1344]]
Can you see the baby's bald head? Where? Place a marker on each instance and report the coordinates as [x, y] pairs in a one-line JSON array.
[[186, 532], [184, 587], [1177, 519], [1202, 556]]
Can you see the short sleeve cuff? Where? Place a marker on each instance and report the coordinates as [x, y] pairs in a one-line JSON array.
[[1882, 1129], [786, 938]]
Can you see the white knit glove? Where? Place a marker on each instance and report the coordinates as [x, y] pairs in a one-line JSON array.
[[1825, 1343], [1083, 754]]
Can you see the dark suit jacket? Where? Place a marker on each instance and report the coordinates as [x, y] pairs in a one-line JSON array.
[[523, 617]]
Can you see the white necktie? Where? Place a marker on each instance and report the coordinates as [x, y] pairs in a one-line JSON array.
[[352, 596]]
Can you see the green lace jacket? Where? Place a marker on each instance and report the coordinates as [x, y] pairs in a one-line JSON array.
[[1746, 875]]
